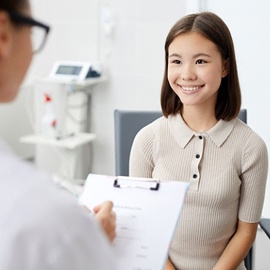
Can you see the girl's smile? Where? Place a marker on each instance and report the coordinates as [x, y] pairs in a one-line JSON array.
[[191, 89]]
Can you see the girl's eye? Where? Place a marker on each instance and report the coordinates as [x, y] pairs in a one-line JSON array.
[[177, 62], [200, 61]]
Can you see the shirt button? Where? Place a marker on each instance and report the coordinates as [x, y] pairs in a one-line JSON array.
[[200, 137], [197, 156], [194, 176]]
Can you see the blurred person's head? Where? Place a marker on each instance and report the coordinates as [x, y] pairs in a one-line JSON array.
[[17, 44]]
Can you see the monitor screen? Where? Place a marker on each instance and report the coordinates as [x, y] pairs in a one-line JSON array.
[[69, 70]]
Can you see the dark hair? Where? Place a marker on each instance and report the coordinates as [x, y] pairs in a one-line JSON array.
[[13, 5], [213, 28]]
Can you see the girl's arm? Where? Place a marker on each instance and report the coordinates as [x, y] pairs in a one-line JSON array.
[[238, 247], [169, 265]]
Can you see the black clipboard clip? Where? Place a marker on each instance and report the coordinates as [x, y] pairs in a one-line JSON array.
[[142, 183]]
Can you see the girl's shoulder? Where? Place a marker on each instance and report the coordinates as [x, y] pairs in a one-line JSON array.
[[154, 127], [248, 135]]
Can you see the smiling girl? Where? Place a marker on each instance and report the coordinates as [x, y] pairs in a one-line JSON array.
[[200, 140]]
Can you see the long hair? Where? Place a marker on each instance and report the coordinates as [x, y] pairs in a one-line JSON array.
[[213, 28]]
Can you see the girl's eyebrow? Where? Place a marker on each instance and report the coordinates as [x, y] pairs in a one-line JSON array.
[[174, 55], [201, 54], [195, 56]]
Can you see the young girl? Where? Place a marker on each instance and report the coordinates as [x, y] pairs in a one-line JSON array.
[[201, 141]]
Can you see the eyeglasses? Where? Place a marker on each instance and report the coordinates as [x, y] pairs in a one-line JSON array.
[[39, 31]]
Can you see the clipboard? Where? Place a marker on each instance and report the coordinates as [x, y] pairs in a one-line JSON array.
[[142, 183], [147, 211]]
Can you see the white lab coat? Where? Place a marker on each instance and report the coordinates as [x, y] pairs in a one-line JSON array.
[[41, 226]]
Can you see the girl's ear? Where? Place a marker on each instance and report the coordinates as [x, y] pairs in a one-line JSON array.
[[5, 33], [225, 69]]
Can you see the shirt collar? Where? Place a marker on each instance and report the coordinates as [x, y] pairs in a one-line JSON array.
[[183, 134], [221, 131]]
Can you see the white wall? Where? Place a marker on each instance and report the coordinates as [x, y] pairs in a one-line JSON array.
[[136, 58]]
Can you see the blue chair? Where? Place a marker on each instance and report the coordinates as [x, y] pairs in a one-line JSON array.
[[265, 226], [127, 124]]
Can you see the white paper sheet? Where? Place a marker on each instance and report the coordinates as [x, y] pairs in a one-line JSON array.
[[146, 219]]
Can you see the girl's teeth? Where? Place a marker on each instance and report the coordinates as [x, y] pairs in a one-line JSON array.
[[190, 88]]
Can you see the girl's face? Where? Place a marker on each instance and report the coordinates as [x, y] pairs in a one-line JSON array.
[[195, 69]]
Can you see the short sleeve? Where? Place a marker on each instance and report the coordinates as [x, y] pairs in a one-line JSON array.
[[253, 177]]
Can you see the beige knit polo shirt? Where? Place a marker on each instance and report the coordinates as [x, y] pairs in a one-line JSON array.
[[227, 170]]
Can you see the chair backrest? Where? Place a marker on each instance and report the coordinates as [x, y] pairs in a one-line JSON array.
[[127, 123], [243, 115]]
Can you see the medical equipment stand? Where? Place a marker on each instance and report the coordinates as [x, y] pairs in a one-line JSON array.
[[70, 145]]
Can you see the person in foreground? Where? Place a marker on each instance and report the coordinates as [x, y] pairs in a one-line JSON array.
[[200, 140], [41, 226]]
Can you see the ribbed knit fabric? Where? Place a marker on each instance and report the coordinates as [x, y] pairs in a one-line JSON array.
[[227, 170]]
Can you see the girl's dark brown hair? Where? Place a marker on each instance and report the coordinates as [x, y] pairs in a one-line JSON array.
[[213, 28]]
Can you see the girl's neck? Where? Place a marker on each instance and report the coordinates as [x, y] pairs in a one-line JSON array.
[[199, 119]]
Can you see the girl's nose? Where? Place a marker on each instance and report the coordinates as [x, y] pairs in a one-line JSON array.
[[188, 73]]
